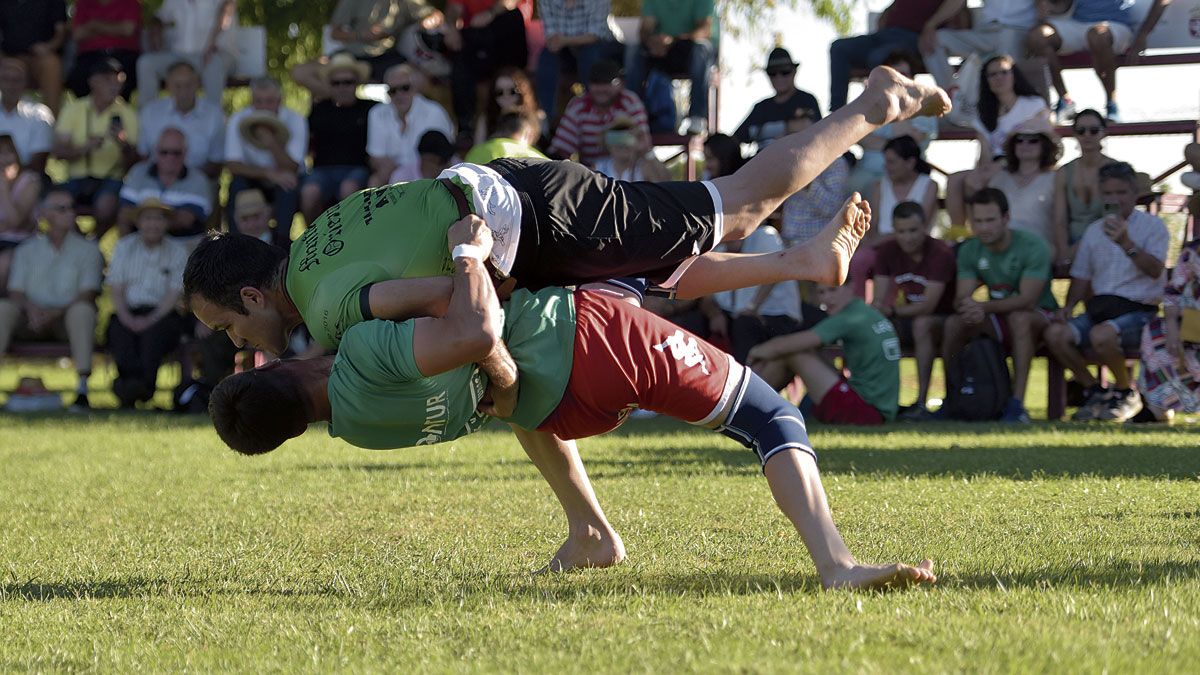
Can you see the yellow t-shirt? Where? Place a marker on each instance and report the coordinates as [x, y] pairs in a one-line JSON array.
[[80, 121]]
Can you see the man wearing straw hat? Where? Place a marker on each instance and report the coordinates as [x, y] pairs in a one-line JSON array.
[[337, 127]]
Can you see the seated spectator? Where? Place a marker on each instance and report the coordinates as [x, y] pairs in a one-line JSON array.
[[201, 121], [96, 136], [197, 32], [896, 30], [106, 29], [165, 178], [914, 287], [35, 32], [513, 137], [53, 287], [483, 36], [583, 123], [1118, 275], [871, 354], [1015, 267], [577, 33], [1077, 200], [1169, 373], [905, 179], [1103, 27], [1191, 154], [337, 132], [265, 144], [676, 38], [868, 170], [1025, 176], [1006, 101], [768, 119], [808, 211], [369, 30], [395, 127], [512, 92], [436, 154], [722, 156], [18, 197], [145, 279], [1000, 28], [629, 158], [31, 125], [252, 215]]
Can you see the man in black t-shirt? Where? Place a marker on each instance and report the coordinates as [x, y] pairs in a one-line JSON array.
[[337, 132], [768, 120]]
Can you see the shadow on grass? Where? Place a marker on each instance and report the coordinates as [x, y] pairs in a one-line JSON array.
[[34, 591], [1114, 574]]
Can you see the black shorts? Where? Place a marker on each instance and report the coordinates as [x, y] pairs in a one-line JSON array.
[[579, 226]]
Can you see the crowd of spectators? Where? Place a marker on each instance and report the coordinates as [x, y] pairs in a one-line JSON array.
[[164, 167]]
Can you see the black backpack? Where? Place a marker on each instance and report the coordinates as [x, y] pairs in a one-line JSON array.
[[977, 382]]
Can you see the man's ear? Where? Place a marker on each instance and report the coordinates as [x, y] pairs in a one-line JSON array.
[[253, 297]]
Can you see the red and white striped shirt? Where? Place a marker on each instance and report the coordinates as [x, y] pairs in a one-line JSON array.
[[581, 129]]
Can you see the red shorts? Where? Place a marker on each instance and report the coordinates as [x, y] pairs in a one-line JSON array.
[[843, 405], [627, 358]]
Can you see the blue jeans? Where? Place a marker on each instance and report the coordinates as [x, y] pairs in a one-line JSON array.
[[549, 69], [684, 57], [864, 51], [1129, 326], [329, 179], [284, 204]]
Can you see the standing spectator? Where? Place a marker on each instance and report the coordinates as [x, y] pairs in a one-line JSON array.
[[1169, 374], [768, 119], [35, 33], [194, 30], [914, 287], [628, 158], [265, 145], [872, 355], [676, 37], [369, 30], [201, 121], [513, 137], [166, 178], [337, 131], [897, 30], [1103, 27], [1001, 28], [30, 124], [394, 128], [483, 35], [53, 287], [576, 31], [1015, 267], [18, 196], [145, 279], [512, 92], [1118, 274], [1077, 200], [868, 170], [105, 29], [581, 129], [96, 136], [809, 210]]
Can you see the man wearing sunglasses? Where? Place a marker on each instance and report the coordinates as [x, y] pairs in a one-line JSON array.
[[337, 127], [395, 128], [768, 119], [166, 177]]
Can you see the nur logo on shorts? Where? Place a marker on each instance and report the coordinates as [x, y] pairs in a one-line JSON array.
[[684, 348]]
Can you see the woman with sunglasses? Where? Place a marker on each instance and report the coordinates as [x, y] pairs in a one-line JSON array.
[[511, 91], [1077, 199], [1026, 178]]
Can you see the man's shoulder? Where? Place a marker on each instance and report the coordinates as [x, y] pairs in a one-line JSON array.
[[1030, 242], [32, 110], [629, 101], [138, 173]]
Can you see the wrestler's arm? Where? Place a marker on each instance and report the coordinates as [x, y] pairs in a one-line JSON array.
[[401, 299]]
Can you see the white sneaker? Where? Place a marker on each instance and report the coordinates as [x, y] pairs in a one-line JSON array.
[[693, 126], [1191, 179]]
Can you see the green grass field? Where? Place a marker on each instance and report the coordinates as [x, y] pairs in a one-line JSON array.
[[138, 542]]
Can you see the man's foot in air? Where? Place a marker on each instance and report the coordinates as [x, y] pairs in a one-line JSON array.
[[892, 97], [825, 258]]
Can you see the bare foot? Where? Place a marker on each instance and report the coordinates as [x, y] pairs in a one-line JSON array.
[[880, 577], [593, 548], [891, 97], [825, 258]]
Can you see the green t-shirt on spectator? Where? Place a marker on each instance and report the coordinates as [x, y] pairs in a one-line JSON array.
[[872, 353], [676, 17], [495, 148], [1027, 257]]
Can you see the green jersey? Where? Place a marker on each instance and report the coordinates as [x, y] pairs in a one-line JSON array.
[[872, 353], [390, 232], [1027, 257], [380, 400], [495, 148]]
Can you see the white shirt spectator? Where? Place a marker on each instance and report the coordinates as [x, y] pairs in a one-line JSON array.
[[238, 150], [31, 126], [147, 273], [1026, 108], [1111, 270], [52, 277], [190, 192], [784, 299], [386, 138], [193, 22], [203, 127]]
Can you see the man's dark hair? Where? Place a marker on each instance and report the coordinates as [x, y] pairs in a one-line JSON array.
[[257, 410], [226, 262], [989, 195], [1119, 171], [511, 124], [908, 210]]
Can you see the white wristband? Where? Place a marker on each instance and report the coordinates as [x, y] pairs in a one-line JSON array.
[[467, 251]]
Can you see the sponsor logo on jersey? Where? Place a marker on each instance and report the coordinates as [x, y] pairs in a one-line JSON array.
[[684, 348], [434, 426]]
